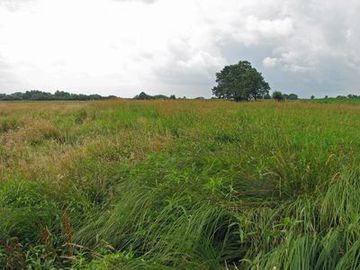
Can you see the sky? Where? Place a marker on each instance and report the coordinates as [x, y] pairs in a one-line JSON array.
[[123, 47]]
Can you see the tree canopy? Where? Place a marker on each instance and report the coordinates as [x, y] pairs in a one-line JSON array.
[[144, 96], [240, 82], [292, 96], [277, 95]]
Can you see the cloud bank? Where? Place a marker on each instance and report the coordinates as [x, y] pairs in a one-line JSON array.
[[123, 47]]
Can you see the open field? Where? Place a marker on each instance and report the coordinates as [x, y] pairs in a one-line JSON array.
[[179, 185]]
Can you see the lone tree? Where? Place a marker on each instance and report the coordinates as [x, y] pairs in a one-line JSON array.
[[240, 82]]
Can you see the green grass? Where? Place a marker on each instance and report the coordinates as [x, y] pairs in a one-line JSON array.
[[179, 185]]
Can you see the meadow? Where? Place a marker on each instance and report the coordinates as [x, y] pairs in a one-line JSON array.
[[179, 184]]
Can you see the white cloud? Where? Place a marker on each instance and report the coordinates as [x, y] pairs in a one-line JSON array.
[[124, 46], [259, 29], [13, 5], [270, 62], [133, 1], [290, 61]]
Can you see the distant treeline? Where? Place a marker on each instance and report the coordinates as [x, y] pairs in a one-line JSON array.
[[144, 96], [349, 99], [350, 96], [58, 95]]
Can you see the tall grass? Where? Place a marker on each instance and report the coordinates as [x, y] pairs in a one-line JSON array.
[[179, 185]]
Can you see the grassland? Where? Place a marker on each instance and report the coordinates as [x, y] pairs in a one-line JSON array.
[[179, 185]]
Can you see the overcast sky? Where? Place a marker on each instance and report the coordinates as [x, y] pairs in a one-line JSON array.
[[122, 47]]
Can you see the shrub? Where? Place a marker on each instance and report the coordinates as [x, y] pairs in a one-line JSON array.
[[278, 96]]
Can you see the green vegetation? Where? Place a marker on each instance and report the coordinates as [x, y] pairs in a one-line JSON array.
[[291, 96], [278, 96], [144, 96], [350, 99], [240, 82], [186, 184], [58, 95]]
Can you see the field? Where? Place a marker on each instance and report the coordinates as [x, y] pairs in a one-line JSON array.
[[179, 185]]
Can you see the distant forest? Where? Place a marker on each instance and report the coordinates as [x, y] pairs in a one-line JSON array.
[[144, 96], [62, 95], [58, 95]]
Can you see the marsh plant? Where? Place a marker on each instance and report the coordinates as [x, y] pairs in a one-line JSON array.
[[179, 184]]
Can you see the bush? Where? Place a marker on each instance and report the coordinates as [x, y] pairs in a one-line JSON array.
[[278, 96]]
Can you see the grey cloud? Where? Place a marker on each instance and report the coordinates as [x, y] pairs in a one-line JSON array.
[[318, 56], [188, 81], [321, 56], [307, 47], [188, 69], [8, 81], [306, 62]]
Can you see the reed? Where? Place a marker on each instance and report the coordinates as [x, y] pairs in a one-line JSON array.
[[179, 185]]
